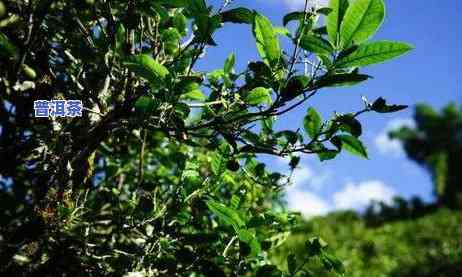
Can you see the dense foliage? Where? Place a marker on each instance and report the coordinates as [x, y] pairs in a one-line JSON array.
[[160, 175], [406, 237], [436, 144], [427, 246]]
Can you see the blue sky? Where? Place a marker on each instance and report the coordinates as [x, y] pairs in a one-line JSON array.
[[430, 74]]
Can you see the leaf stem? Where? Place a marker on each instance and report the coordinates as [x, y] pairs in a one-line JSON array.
[[230, 243]]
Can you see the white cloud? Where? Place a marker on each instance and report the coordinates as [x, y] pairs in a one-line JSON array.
[[299, 195], [387, 146], [301, 176], [307, 182], [308, 203], [305, 176], [351, 197], [356, 196]]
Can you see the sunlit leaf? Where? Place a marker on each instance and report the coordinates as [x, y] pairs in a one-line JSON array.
[[361, 21], [373, 53], [146, 67], [282, 31], [266, 39], [316, 44], [217, 164], [312, 123], [228, 215], [350, 144], [249, 238], [195, 94], [229, 63], [258, 96], [335, 18]]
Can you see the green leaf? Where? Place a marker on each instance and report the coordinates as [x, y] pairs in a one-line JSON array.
[[120, 37], [146, 67], [320, 31], [235, 201], [350, 144], [324, 10], [347, 51], [196, 7], [326, 61], [294, 161], [171, 40], [228, 215], [316, 44], [181, 23], [215, 76], [217, 164], [293, 16], [290, 137], [195, 94], [174, 3], [158, 10], [350, 124], [292, 264], [295, 87], [282, 31], [238, 15], [373, 53], [327, 155], [331, 262], [7, 49], [249, 238], [268, 271], [144, 105], [335, 18], [315, 246], [361, 21], [205, 27], [341, 80], [380, 106], [28, 71], [266, 39], [229, 63], [312, 123], [258, 96]]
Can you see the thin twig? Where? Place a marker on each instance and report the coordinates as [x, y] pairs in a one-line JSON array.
[[230, 243], [299, 39], [28, 40], [141, 161]]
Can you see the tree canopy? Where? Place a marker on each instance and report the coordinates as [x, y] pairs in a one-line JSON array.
[[425, 246], [406, 237], [160, 176], [436, 144]]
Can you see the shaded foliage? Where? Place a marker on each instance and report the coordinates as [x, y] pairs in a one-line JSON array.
[[406, 237], [436, 144], [160, 176], [427, 246], [380, 213]]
